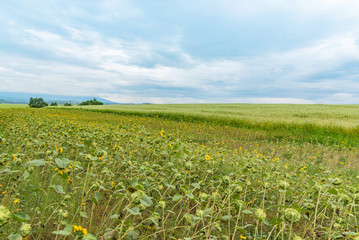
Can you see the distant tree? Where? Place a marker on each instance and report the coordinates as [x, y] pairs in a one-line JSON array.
[[53, 104], [91, 102], [37, 103], [67, 104]]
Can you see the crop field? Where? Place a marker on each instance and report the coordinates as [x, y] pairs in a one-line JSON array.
[[180, 172], [3, 105], [315, 123]]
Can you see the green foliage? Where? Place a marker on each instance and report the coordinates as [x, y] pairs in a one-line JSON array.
[[89, 175], [67, 104], [17, 217], [53, 104], [91, 102], [37, 103]]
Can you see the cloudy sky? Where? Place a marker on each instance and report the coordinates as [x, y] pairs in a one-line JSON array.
[[181, 51]]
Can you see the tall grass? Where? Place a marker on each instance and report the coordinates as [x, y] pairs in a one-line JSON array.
[[324, 124]]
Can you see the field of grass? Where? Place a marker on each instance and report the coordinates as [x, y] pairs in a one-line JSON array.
[[323, 124], [345, 116], [179, 172], [4, 105]]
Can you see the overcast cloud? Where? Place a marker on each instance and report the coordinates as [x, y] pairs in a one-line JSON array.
[[264, 51]]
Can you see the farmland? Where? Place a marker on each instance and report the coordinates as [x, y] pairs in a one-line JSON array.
[[318, 123], [180, 172]]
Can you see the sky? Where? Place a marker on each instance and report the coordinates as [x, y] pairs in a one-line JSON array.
[[181, 51]]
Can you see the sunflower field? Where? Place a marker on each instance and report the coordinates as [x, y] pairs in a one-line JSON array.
[[73, 174]]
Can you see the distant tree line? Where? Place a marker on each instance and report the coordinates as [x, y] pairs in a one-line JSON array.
[[91, 102], [39, 103]]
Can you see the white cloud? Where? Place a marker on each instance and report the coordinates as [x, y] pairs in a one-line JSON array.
[[272, 100], [93, 51], [339, 98], [294, 70], [137, 98], [110, 65], [41, 76]]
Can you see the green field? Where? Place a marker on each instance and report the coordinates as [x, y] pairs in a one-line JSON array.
[[325, 124], [345, 116], [207, 171], [4, 105]]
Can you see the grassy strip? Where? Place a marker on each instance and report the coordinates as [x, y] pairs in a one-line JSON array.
[[9, 105], [298, 132]]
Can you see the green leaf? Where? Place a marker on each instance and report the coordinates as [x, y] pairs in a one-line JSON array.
[[265, 221], [241, 230], [134, 211], [96, 197], [114, 216], [66, 231], [333, 191], [37, 162], [92, 158], [20, 217], [177, 197], [134, 234], [248, 225], [154, 220], [62, 162], [110, 233], [146, 200], [184, 190], [226, 217], [337, 235], [58, 189], [196, 185], [25, 175], [14, 237], [350, 233], [247, 212], [297, 207], [276, 221], [169, 185], [89, 236], [62, 233], [68, 227], [190, 195], [6, 170], [83, 214]]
